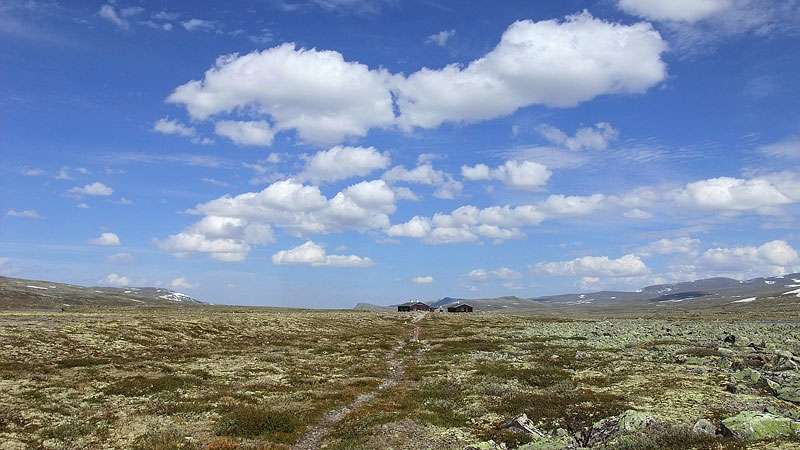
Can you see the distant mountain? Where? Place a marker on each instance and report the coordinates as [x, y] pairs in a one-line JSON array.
[[371, 306], [19, 293], [708, 294]]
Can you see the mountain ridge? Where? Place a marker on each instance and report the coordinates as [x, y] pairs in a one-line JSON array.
[[39, 294]]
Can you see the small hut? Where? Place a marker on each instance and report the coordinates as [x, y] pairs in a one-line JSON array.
[[413, 306], [460, 308]]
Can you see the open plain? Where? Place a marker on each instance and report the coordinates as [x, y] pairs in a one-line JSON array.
[[227, 377]]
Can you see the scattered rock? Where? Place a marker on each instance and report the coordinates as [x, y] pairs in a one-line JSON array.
[[756, 426], [730, 339], [789, 394], [521, 423], [704, 426], [627, 422], [582, 355]]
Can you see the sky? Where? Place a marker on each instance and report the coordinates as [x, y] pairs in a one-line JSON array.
[[327, 152]]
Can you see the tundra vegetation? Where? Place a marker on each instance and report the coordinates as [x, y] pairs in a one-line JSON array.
[[257, 378]]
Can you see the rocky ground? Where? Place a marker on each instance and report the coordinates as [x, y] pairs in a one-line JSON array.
[[226, 378]]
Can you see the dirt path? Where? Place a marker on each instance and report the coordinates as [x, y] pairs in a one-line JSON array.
[[313, 437]]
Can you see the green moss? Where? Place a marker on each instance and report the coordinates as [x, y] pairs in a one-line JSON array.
[[140, 385], [262, 423]]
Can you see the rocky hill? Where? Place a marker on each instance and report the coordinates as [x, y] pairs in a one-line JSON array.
[[35, 294]]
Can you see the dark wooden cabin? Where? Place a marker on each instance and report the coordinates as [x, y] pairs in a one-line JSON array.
[[413, 306], [462, 308]]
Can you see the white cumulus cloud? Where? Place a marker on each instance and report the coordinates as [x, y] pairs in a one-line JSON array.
[[326, 99], [315, 255], [521, 175], [255, 133], [591, 138], [114, 280], [423, 280], [339, 163], [167, 126], [482, 275], [629, 265], [183, 283], [550, 62], [97, 188], [106, 239], [735, 194], [315, 92]]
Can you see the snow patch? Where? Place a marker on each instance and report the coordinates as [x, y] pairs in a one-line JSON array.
[[769, 282], [37, 287], [176, 297], [745, 300], [794, 292]]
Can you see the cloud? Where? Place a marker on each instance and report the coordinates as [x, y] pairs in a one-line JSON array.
[[256, 133], [83, 206], [317, 93], [675, 10], [404, 193], [423, 280], [339, 163], [327, 99], [224, 239], [772, 258], [761, 194], [63, 174], [214, 181], [469, 223], [524, 175], [424, 173], [28, 214], [232, 224], [699, 25], [199, 25], [156, 25], [315, 255], [637, 213], [302, 209], [164, 15], [183, 283], [552, 63], [440, 38], [481, 275], [591, 138], [33, 172], [788, 148], [109, 13], [121, 258], [106, 239], [167, 126], [114, 280], [131, 11], [684, 246], [417, 227], [96, 188], [629, 265]]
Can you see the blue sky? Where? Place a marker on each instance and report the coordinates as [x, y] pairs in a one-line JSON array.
[[327, 152]]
